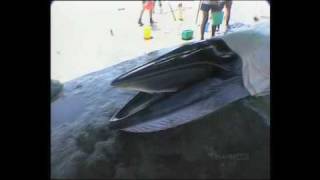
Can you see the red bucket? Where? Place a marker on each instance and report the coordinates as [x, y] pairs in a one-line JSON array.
[[149, 5]]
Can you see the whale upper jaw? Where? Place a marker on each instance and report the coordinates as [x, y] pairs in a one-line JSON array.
[[182, 67]]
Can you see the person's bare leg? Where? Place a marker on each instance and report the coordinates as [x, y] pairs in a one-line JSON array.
[[228, 13], [213, 30], [141, 14], [151, 20], [203, 24]]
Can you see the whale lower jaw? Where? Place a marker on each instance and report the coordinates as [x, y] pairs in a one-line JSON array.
[[232, 91]]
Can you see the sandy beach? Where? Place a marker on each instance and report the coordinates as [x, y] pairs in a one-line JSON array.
[[82, 42]]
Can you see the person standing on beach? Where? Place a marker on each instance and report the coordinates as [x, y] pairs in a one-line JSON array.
[[144, 3], [206, 6]]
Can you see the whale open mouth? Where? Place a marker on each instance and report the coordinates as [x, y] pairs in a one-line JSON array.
[[185, 78]]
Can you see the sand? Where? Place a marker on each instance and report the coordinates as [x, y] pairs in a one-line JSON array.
[[81, 41]]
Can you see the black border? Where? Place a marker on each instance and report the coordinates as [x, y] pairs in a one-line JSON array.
[[27, 124], [29, 91]]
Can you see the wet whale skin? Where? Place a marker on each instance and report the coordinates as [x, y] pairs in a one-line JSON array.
[[181, 67], [186, 77], [209, 95]]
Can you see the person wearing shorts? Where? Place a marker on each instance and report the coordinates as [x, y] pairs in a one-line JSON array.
[[141, 14], [206, 6]]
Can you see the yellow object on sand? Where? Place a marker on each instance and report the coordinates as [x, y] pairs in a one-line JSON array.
[[147, 32], [180, 16]]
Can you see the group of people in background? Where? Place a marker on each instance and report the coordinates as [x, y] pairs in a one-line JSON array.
[[206, 7]]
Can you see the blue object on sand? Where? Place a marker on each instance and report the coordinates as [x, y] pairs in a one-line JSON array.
[[207, 27]]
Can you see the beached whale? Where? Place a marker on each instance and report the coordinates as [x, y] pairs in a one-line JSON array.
[[194, 81]]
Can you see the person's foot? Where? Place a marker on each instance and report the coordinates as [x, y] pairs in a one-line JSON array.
[[227, 28], [218, 28], [140, 22], [152, 21]]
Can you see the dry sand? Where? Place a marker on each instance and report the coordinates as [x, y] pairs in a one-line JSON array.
[[81, 41]]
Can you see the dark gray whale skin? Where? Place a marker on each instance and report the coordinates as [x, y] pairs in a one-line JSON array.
[[181, 67], [211, 94], [206, 74]]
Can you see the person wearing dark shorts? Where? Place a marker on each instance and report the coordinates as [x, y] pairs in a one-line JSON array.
[[206, 6]]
